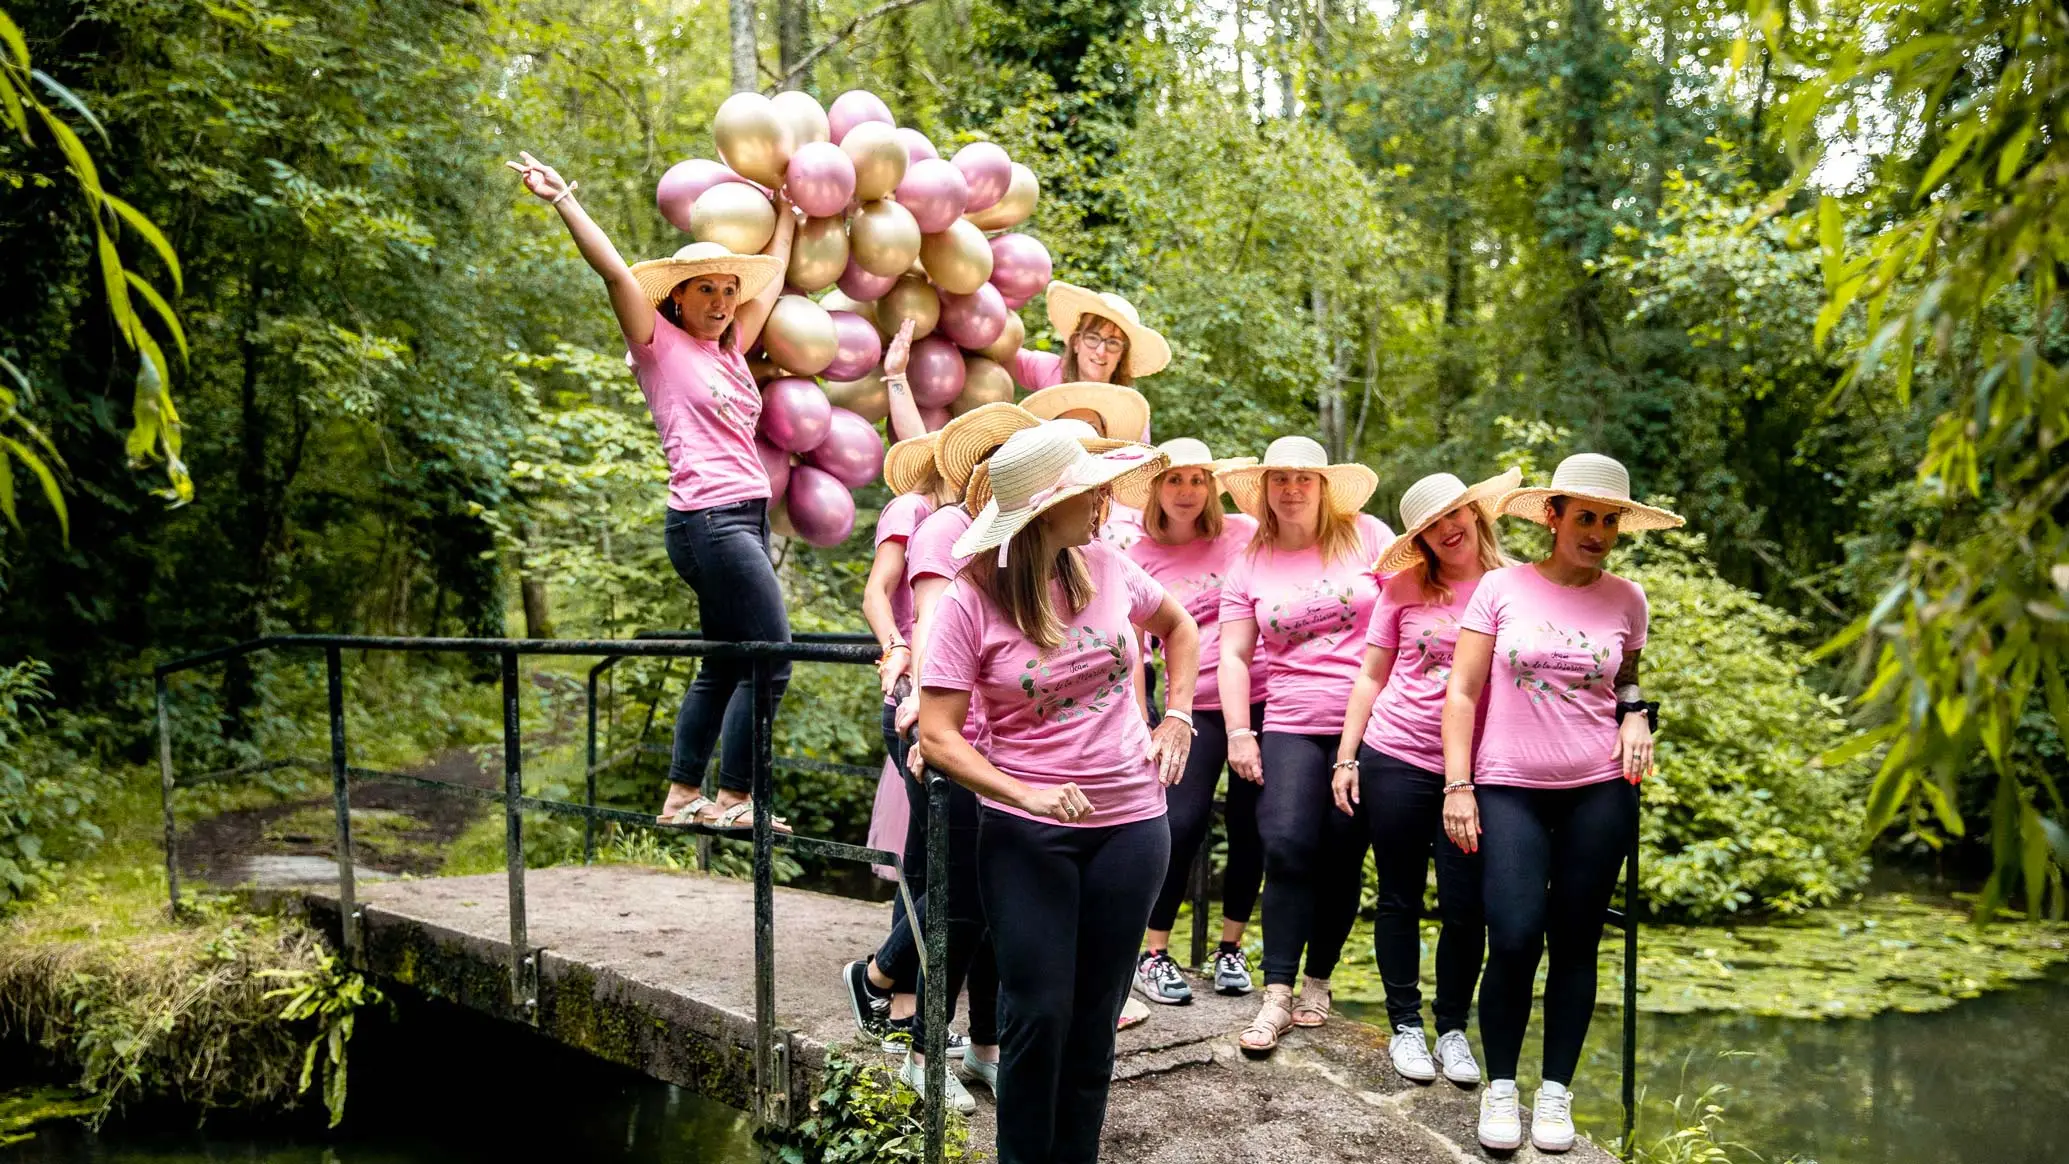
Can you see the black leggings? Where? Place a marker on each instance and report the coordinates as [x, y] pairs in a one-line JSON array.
[[1404, 805], [1068, 907], [899, 957], [1314, 858], [723, 553], [970, 956], [1550, 860], [1190, 806]]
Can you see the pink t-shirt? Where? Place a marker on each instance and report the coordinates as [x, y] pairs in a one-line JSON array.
[[1551, 696], [1037, 370], [930, 552], [897, 523], [1408, 717], [1063, 715], [705, 406], [1311, 619], [1193, 574]]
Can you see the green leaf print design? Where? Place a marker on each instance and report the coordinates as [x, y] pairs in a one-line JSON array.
[[1048, 697]]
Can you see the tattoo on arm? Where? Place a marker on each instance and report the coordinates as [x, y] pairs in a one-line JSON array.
[[1627, 690]]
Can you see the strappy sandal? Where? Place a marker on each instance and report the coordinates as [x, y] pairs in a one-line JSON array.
[[1313, 1008], [690, 813], [731, 819], [1273, 1019]]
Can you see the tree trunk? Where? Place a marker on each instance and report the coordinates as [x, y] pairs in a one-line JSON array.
[[254, 438], [793, 38], [742, 14], [1329, 397], [538, 614]]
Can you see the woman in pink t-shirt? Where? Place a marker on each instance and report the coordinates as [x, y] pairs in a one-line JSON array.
[[1189, 546], [1390, 763], [1105, 342], [1547, 789], [1072, 840], [686, 321], [1304, 590]]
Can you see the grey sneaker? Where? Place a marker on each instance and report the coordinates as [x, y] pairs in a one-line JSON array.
[[1410, 1050], [1160, 980], [1455, 1058], [976, 1070], [1232, 972], [953, 1093]]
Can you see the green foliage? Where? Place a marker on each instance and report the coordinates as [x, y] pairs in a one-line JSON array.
[[861, 1116], [1700, 1131], [328, 997], [47, 792], [21, 1111]]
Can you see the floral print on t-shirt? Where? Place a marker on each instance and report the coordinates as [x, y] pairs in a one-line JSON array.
[[1319, 609], [1077, 678], [1574, 662]]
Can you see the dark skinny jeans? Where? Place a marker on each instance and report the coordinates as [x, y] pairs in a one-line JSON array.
[[1404, 805], [1067, 907], [970, 958], [723, 553], [1550, 858], [1314, 858], [899, 957], [1190, 806]]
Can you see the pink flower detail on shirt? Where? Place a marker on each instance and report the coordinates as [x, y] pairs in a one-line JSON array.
[[1589, 668], [1318, 609], [1076, 678]]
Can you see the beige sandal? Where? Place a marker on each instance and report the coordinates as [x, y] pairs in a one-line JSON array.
[[1273, 1019], [1313, 1008]]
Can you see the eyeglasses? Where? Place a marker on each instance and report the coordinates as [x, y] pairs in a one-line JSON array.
[[1114, 345]]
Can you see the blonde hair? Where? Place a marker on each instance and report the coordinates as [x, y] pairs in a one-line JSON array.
[[1336, 534], [1488, 541], [1207, 525], [1025, 587], [1070, 353]]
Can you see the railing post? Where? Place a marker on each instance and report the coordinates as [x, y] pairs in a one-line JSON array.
[[1633, 901], [771, 1066], [524, 969], [589, 822], [934, 965], [341, 799], [1199, 896], [172, 860]]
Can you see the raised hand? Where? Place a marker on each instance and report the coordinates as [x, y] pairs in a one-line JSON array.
[[899, 354], [541, 179]]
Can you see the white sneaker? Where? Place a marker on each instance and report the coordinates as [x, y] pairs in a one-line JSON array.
[[1411, 1051], [1551, 1119], [957, 1097], [1501, 1117], [978, 1071], [1455, 1056]]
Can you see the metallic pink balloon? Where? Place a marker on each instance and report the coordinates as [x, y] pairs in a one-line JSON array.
[[854, 107], [852, 451], [988, 170], [858, 348], [1016, 302], [935, 192], [775, 463], [820, 507], [679, 187], [862, 286], [820, 179], [936, 372], [917, 147], [1020, 268], [973, 321], [795, 414], [934, 418]]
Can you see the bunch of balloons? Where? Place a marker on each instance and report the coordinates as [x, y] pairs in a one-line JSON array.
[[893, 232]]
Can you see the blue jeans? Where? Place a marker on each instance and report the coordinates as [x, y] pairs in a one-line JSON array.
[[723, 553]]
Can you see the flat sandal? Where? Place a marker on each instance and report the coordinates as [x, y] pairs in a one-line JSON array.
[[1313, 1008], [1273, 1019]]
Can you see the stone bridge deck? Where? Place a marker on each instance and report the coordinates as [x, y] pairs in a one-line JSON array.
[[655, 970]]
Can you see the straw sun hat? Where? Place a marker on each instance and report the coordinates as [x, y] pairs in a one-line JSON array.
[[1123, 411], [963, 442], [909, 464], [1432, 498], [1589, 477], [1182, 453], [1148, 353], [1350, 486], [1039, 468], [979, 490], [657, 277]]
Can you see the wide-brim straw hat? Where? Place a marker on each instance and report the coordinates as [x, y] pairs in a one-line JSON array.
[[979, 489], [909, 465], [1148, 353], [963, 442], [1123, 411], [1182, 453], [658, 277], [1350, 486], [1432, 498], [1589, 477], [1038, 469]]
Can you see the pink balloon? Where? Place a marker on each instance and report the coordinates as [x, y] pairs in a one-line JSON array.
[[795, 414], [863, 287], [860, 347], [936, 372], [821, 508], [934, 418], [1020, 267], [775, 463], [973, 321], [820, 179], [988, 170], [679, 187], [854, 107], [917, 147], [935, 192], [852, 452], [1016, 302]]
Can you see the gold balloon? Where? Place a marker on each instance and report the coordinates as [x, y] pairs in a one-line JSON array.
[[752, 138], [880, 159], [984, 382], [819, 254], [958, 259], [803, 116], [1012, 208], [779, 521], [866, 397], [837, 300], [1004, 348], [912, 299], [735, 216], [764, 369], [800, 335], [882, 237]]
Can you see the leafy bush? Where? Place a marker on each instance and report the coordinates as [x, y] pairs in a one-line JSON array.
[[46, 792]]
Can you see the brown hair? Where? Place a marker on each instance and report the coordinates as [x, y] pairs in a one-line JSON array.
[[1491, 558], [672, 312], [1024, 587], [1335, 533], [1207, 525], [1071, 375]]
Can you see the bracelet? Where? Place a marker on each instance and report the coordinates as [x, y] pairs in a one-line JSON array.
[[1458, 786], [1343, 764], [1650, 708], [1184, 717], [558, 198], [1234, 732]]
